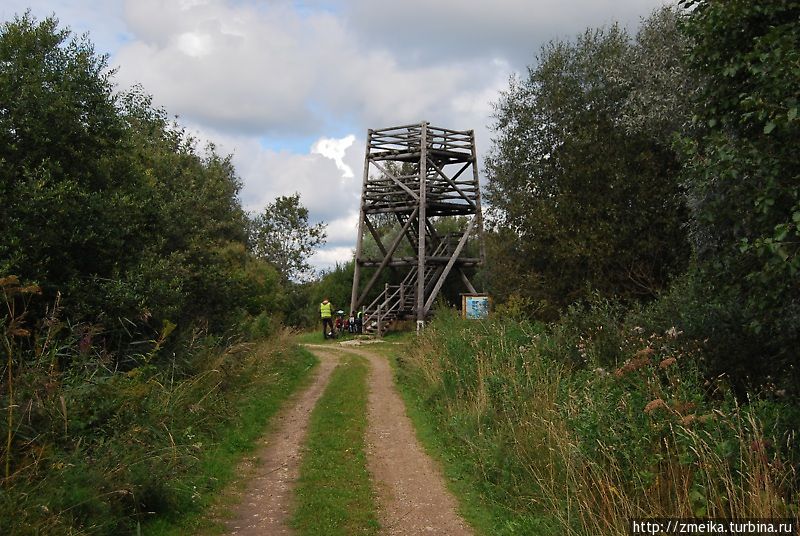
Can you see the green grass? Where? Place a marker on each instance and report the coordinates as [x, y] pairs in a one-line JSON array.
[[484, 515], [334, 495], [534, 444], [258, 403], [315, 337]]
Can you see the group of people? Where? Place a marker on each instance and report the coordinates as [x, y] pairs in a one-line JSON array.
[[335, 325]]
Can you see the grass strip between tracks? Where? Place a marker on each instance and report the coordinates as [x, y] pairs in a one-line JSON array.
[[334, 493]]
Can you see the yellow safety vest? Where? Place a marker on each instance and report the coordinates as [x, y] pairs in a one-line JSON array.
[[325, 310]]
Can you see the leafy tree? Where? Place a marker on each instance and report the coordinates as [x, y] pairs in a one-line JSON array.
[[60, 135], [743, 180], [334, 284], [583, 182], [282, 236], [104, 200]]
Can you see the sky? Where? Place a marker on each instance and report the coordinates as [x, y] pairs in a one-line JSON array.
[[289, 88]]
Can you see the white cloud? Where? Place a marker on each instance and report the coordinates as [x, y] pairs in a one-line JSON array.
[[343, 230], [267, 174], [275, 71], [236, 71], [102, 20], [327, 258], [424, 32], [194, 44], [335, 150]]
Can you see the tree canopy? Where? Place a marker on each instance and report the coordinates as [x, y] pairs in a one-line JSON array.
[[282, 236], [111, 205], [743, 181], [583, 181]]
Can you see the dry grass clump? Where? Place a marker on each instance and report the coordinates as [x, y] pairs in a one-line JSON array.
[[591, 449]]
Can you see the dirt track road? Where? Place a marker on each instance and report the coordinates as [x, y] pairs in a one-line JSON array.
[[265, 507], [412, 496]]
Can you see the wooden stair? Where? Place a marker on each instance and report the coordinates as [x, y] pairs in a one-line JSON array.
[[398, 302]]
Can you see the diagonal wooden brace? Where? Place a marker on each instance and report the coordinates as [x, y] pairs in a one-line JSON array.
[[385, 261], [450, 264]]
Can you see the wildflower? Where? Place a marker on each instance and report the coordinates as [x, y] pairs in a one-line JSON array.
[[672, 333], [642, 359], [653, 405], [667, 362], [631, 365]]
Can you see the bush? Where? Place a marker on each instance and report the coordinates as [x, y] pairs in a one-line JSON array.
[[91, 448]]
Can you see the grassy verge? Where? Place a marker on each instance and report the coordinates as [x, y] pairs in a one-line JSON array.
[[537, 437], [147, 449], [258, 401], [334, 494], [476, 505]]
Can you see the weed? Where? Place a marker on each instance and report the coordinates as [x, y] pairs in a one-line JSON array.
[[93, 449], [589, 423]]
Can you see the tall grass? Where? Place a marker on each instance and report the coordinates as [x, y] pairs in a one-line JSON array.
[[592, 424], [93, 449]]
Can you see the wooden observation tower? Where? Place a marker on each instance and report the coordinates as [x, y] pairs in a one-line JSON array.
[[416, 177]]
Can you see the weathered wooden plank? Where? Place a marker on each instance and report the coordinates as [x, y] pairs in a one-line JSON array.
[[449, 265], [385, 261], [438, 187]]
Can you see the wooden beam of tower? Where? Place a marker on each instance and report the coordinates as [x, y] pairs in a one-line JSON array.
[[466, 281], [479, 214], [452, 181], [362, 215], [385, 261], [397, 181], [375, 235], [450, 263], [431, 183], [409, 235], [423, 173]]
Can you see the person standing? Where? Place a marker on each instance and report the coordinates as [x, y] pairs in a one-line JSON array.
[[326, 313]]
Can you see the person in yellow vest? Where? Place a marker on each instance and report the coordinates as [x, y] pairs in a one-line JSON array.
[[326, 312]]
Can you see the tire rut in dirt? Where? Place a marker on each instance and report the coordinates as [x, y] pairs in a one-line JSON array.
[[266, 504], [412, 493]]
